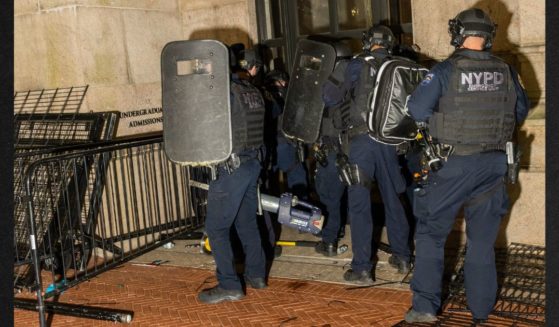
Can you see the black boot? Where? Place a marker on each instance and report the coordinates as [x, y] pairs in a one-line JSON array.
[[256, 282], [327, 249], [364, 278], [402, 265]]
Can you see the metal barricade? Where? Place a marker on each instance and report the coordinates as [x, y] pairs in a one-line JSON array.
[[93, 209], [42, 135], [521, 281], [84, 204]]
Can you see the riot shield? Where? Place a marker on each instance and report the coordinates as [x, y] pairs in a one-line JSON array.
[[302, 115], [195, 99]]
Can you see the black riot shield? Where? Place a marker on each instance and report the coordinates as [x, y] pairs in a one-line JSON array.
[[196, 105], [302, 115]]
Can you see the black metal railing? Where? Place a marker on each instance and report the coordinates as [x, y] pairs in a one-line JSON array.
[[521, 280], [96, 208], [85, 203], [67, 100], [42, 135]]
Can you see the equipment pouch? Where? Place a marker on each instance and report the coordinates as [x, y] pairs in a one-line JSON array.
[[344, 169], [344, 142], [301, 151], [319, 154], [513, 162]]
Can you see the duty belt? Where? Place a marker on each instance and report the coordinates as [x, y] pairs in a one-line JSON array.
[[468, 149], [236, 160], [329, 145], [356, 131]]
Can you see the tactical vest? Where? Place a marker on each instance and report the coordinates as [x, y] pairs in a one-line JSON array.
[[332, 121], [327, 128], [477, 113], [247, 117], [355, 114]]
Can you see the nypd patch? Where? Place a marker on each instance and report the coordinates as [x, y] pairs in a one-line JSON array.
[[427, 79]]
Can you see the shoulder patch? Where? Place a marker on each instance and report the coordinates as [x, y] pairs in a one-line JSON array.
[[427, 79]]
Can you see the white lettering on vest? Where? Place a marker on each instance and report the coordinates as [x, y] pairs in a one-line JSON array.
[[252, 99], [482, 81]]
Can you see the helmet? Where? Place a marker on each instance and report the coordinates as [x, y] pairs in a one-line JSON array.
[[471, 22], [277, 75], [249, 58], [378, 34], [341, 47], [342, 50]]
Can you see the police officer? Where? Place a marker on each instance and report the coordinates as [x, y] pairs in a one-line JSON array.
[[232, 197], [328, 185], [471, 102], [370, 159], [283, 154], [275, 85], [289, 161]]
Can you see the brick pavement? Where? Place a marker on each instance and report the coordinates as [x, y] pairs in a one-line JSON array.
[[166, 296]]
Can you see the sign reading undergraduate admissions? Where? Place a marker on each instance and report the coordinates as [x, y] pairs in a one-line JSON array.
[[136, 117], [137, 121]]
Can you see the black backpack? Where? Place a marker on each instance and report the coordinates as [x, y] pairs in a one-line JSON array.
[[388, 119]]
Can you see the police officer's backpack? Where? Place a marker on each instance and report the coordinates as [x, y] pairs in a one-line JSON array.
[[388, 119]]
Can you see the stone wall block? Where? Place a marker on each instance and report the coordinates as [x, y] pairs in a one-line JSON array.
[[226, 23], [525, 222], [25, 7], [29, 48], [532, 72], [46, 51], [164, 5], [532, 24], [531, 140], [146, 33], [187, 5], [431, 26], [505, 15], [103, 54]]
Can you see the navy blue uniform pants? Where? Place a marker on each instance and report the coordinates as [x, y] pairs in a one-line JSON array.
[[232, 200], [378, 161], [475, 182], [288, 162], [330, 190]]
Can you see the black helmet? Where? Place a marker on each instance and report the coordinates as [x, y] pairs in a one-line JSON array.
[[378, 34], [342, 50], [471, 22], [277, 75], [249, 58]]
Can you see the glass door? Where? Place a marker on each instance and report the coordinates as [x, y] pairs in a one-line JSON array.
[[281, 23]]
